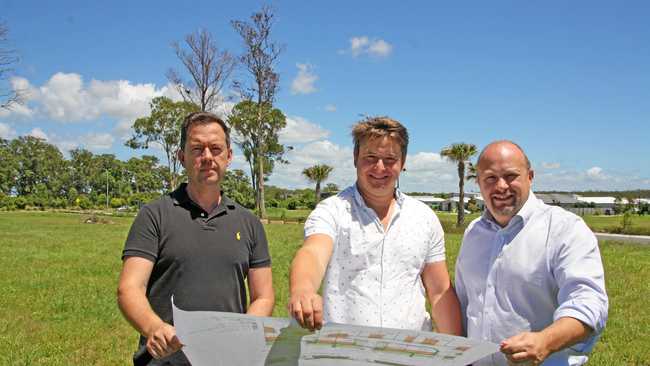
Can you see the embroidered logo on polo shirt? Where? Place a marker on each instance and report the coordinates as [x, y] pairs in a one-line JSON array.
[[238, 236]]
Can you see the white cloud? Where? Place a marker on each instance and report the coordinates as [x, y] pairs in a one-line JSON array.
[[363, 45], [304, 81], [6, 132], [330, 108], [380, 48], [358, 45], [317, 152], [595, 173], [546, 165], [37, 132], [300, 130], [426, 172], [98, 141]]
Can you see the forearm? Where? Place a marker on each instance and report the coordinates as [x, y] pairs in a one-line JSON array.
[[445, 311], [306, 272], [261, 307], [137, 311], [565, 332]]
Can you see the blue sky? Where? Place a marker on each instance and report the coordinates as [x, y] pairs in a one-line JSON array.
[[569, 81]]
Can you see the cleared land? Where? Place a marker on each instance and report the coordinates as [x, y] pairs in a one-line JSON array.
[[58, 277]]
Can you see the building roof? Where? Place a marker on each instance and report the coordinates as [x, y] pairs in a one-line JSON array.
[[600, 200], [428, 199], [556, 198]]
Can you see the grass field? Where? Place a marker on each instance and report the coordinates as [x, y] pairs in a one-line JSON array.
[[58, 278]]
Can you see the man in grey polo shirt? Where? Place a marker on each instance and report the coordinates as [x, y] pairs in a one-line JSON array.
[[379, 252], [196, 245]]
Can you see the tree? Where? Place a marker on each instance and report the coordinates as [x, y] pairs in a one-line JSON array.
[[259, 58], [209, 69], [317, 174], [331, 187], [237, 187], [39, 167], [243, 120], [460, 153], [162, 127], [471, 172], [8, 167], [9, 96]]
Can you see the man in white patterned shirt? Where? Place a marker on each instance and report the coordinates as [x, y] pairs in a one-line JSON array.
[[528, 275], [381, 253]]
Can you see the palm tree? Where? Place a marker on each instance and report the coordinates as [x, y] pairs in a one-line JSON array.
[[471, 172], [317, 174], [460, 153]]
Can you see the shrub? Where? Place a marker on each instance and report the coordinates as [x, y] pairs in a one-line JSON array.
[[20, 202], [116, 202]]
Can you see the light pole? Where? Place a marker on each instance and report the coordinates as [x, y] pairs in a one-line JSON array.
[[106, 189]]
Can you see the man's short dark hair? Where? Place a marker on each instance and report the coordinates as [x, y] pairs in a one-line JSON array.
[[197, 118]]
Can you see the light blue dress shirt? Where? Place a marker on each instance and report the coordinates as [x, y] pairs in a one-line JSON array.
[[544, 265]]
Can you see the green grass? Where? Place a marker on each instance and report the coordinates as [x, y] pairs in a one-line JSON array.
[[640, 225], [274, 213], [58, 278]]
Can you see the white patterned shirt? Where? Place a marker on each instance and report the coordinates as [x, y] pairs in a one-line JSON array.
[[373, 277], [544, 265]]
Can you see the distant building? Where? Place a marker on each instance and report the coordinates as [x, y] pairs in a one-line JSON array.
[[605, 205], [451, 204], [563, 200], [431, 201]]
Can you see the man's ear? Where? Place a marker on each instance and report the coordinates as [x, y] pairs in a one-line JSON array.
[[181, 156], [531, 174]]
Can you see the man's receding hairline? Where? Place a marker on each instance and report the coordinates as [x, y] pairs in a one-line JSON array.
[[503, 142]]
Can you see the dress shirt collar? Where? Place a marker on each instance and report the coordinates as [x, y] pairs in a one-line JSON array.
[[520, 219], [358, 198]]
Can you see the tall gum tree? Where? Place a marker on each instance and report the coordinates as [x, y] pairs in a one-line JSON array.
[[259, 59]]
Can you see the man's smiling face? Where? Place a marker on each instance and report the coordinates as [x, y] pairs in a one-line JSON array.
[[379, 163]]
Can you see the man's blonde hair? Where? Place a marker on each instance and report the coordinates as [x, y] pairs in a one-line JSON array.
[[371, 128]]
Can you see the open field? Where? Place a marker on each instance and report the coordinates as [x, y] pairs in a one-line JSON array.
[[58, 278]]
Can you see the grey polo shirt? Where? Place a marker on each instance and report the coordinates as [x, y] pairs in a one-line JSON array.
[[201, 258]]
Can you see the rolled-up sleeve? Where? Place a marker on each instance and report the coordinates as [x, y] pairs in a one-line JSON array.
[[579, 273]]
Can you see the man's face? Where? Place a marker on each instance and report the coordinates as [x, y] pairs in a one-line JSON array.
[[379, 163], [504, 180], [205, 155]]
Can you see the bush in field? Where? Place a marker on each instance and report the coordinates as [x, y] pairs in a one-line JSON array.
[[100, 200], [20, 202], [84, 202], [116, 202]]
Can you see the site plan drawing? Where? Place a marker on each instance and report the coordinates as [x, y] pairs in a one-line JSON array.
[[217, 338]]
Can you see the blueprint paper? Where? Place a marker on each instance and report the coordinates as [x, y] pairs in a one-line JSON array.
[[218, 338]]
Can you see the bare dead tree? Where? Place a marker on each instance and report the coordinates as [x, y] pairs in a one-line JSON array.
[[9, 96], [259, 58], [209, 69]]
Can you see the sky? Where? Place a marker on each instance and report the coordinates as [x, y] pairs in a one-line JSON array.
[[569, 81]]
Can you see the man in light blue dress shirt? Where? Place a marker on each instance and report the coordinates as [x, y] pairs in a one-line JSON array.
[[528, 276]]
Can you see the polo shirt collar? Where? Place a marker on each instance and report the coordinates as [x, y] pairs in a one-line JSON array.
[[180, 198]]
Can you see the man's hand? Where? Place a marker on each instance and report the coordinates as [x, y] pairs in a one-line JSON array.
[[307, 309], [162, 342], [528, 348]]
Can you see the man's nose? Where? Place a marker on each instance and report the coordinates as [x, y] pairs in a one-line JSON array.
[[380, 164], [206, 153], [502, 184]]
